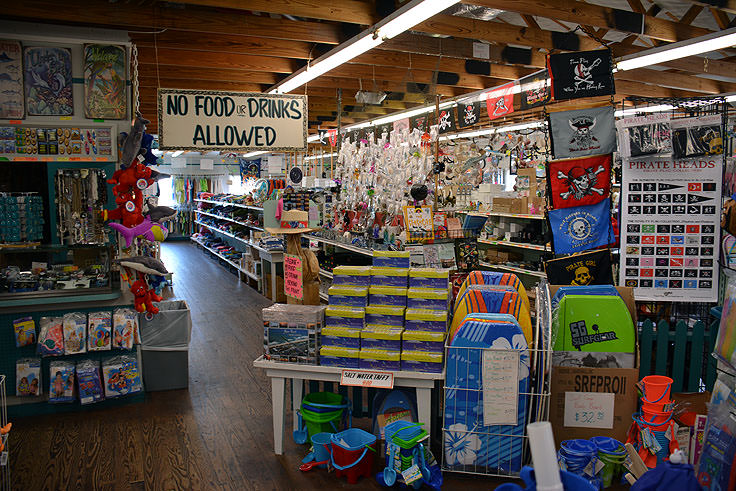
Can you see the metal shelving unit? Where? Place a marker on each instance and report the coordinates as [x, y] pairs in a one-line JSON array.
[[520, 245], [219, 217], [514, 269], [348, 247], [227, 203]]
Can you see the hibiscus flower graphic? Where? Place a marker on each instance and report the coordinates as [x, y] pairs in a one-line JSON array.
[[461, 446]]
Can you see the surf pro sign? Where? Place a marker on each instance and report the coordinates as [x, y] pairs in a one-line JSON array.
[[204, 120]]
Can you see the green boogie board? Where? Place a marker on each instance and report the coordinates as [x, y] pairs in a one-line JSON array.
[[594, 324]]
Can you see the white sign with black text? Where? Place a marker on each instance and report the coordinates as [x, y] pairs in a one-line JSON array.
[[367, 378]]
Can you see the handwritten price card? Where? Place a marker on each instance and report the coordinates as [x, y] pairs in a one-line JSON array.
[[293, 286], [589, 409], [500, 387]]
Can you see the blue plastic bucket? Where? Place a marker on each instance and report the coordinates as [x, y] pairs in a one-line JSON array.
[[321, 447]]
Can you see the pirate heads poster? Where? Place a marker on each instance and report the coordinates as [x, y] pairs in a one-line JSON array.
[[581, 74], [583, 132], [576, 182], [670, 227], [500, 102], [468, 114], [581, 228]]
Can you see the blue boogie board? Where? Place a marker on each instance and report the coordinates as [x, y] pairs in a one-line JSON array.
[[468, 444]]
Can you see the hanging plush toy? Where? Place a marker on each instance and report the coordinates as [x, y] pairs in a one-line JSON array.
[[131, 144], [144, 297], [146, 229]]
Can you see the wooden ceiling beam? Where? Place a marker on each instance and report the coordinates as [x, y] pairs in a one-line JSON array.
[[595, 15], [146, 16], [675, 81], [725, 5], [396, 74], [227, 43], [351, 11], [180, 57], [193, 73], [181, 83], [691, 14]]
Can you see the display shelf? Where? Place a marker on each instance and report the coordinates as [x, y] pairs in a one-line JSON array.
[[513, 269], [230, 262], [501, 214], [325, 273], [520, 245], [349, 247], [219, 217], [273, 254], [324, 296], [227, 203]]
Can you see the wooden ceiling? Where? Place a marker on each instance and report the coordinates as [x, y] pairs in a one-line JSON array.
[[251, 45]]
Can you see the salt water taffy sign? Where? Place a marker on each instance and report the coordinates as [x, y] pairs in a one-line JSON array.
[[240, 121]]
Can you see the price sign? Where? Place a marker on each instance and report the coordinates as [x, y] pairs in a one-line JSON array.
[[293, 286], [367, 378], [419, 222], [589, 409], [500, 387]]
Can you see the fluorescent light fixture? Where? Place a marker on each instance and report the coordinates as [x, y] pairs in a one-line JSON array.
[[620, 113], [313, 138], [491, 131], [703, 44], [412, 112], [731, 98], [177, 153], [326, 155], [403, 19], [253, 154]]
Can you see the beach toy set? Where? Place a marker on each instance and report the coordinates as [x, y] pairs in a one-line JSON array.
[[653, 431]]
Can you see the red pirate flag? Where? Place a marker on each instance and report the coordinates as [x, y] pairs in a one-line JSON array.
[[500, 102], [577, 182]]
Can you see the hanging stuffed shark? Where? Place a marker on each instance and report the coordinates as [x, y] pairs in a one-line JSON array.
[[146, 229], [132, 142], [159, 214]]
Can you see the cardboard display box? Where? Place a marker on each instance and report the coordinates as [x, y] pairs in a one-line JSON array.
[[619, 381]]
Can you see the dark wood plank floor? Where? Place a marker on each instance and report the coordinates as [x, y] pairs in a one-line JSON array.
[[216, 435]]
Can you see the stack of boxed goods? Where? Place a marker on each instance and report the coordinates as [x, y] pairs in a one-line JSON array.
[[291, 333], [428, 303]]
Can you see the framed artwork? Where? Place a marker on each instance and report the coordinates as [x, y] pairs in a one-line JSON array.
[[48, 81], [11, 80], [105, 95]]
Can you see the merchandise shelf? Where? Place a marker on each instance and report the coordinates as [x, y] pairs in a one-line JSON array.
[[219, 217], [521, 245], [273, 254], [513, 269], [227, 203], [501, 214], [349, 247], [325, 273], [231, 263]]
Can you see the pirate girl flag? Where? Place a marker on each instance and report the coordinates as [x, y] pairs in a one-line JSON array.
[[500, 102], [583, 132], [581, 74], [576, 182]]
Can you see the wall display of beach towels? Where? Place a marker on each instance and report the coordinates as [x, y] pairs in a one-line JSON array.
[[48, 81], [11, 80], [104, 82]]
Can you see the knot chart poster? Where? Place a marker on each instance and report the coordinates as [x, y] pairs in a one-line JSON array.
[[670, 231]]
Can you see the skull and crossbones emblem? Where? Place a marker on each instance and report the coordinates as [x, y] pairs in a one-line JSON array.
[[581, 182], [500, 107], [582, 136], [469, 114], [583, 74], [444, 121], [582, 276]]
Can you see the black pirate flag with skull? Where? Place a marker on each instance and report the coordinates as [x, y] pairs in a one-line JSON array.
[[588, 268], [576, 182], [446, 120], [583, 132], [468, 114], [581, 74]]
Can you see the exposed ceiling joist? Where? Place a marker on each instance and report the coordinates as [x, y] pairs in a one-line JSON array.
[[597, 16], [233, 61], [725, 5]]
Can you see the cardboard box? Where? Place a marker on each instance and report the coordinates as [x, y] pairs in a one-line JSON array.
[[619, 381]]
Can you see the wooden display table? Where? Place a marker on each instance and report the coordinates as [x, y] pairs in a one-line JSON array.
[[278, 373]]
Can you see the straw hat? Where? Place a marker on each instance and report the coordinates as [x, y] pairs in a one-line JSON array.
[[293, 222]]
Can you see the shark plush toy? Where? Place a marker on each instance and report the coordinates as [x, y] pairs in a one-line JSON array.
[[132, 142], [146, 229]]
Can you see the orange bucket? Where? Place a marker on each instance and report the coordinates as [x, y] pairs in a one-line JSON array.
[[655, 418], [656, 389]]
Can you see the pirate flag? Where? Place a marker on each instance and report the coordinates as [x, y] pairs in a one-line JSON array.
[[468, 114], [576, 182], [581, 74], [402, 124], [500, 102], [640, 136], [696, 137], [583, 132], [535, 90], [588, 268], [581, 228], [420, 122], [446, 121]]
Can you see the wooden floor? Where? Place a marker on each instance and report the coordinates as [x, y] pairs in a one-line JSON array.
[[216, 435]]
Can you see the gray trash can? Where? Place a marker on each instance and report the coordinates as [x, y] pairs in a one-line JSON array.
[[165, 347]]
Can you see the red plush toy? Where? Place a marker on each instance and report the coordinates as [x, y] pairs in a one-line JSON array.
[[144, 297]]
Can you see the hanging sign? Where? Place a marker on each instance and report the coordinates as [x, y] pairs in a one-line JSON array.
[[202, 120], [670, 228], [293, 286]]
